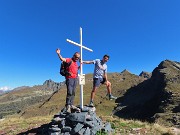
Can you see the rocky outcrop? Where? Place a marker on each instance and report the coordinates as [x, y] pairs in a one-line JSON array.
[[84, 122], [125, 71], [155, 99], [146, 75], [49, 84]]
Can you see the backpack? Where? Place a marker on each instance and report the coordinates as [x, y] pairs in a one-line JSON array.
[[63, 68]]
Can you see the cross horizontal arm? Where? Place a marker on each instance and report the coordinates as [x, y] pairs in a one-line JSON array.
[[72, 42]]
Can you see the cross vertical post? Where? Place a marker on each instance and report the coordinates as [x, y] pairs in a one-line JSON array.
[[81, 77], [81, 71]]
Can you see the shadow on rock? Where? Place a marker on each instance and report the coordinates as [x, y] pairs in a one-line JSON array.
[[142, 101], [155, 99], [42, 130]]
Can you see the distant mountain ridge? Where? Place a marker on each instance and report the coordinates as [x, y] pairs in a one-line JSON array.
[[4, 91], [21, 97], [20, 88], [50, 84], [156, 99], [1, 92], [146, 75]]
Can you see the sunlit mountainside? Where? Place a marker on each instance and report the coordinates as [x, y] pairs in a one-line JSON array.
[[152, 97]]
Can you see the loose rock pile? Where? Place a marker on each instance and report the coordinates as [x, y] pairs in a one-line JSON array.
[[78, 123]]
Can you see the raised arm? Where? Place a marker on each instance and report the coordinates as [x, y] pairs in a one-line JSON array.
[[59, 55]]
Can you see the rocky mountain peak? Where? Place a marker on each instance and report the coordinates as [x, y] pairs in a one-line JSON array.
[[125, 71], [157, 97], [50, 84], [145, 74]]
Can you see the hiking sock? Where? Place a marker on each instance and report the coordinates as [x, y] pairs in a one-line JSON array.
[[91, 101]]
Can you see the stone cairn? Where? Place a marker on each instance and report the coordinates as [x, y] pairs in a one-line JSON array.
[[84, 122]]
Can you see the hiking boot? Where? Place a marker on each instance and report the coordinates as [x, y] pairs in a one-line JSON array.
[[68, 109], [91, 104], [111, 97], [75, 108]]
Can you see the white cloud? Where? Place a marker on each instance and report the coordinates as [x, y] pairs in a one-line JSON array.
[[5, 88]]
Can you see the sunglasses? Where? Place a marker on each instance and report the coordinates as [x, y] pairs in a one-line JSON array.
[[76, 57]]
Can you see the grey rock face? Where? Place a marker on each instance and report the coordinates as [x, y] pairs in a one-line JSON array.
[[145, 74], [81, 123], [49, 84], [156, 99]]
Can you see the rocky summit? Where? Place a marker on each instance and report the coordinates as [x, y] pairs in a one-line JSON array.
[[83, 122], [156, 99]]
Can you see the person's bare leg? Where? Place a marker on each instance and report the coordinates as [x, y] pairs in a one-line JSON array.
[[108, 85], [93, 93], [92, 96]]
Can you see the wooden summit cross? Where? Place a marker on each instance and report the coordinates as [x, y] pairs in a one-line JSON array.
[[81, 76]]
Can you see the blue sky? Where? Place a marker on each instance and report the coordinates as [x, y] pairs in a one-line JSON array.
[[137, 34]]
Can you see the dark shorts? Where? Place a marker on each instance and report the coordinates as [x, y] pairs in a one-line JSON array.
[[98, 81]]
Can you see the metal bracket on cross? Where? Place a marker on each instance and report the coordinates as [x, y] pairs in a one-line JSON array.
[[81, 76]]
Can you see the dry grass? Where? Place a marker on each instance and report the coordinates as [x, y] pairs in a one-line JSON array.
[[16, 125], [134, 127]]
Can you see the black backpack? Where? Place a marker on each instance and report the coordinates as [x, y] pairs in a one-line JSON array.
[[63, 68]]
